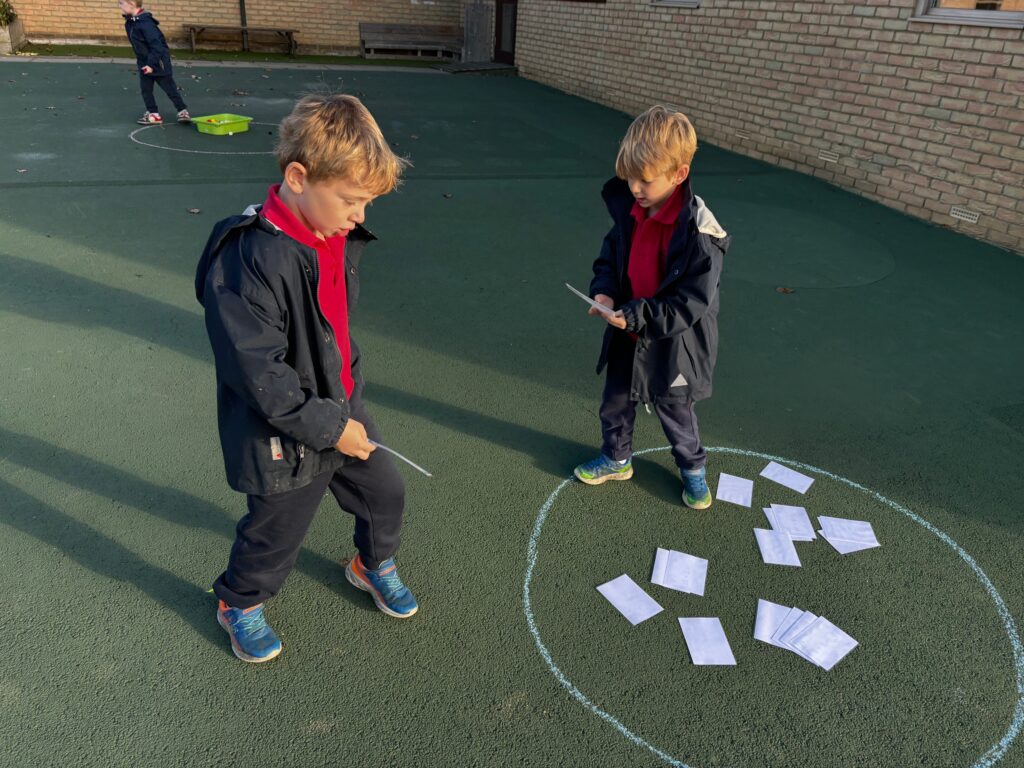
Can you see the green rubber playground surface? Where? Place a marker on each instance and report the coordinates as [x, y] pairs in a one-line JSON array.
[[893, 371]]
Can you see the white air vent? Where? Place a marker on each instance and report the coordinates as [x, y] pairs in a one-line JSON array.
[[964, 214], [828, 156], [741, 134]]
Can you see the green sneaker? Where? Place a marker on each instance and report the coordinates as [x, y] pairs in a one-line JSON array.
[[601, 469], [696, 494]]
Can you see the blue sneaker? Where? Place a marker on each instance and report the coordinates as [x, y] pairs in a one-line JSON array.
[[252, 639], [383, 584], [602, 469], [696, 494]]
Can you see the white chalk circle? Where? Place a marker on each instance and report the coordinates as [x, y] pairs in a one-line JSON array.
[[134, 137], [987, 760]]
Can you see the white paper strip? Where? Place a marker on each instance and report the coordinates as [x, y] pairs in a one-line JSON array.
[[629, 600], [787, 477], [824, 643], [706, 641], [848, 530], [776, 547], [769, 617], [679, 571], [844, 547], [793, 520], [599, 307], [736, 490]]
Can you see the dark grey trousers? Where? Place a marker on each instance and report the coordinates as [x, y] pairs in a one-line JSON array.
[[268, 538], [618, 413]]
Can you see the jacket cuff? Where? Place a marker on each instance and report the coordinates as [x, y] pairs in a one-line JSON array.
[[632, 312]]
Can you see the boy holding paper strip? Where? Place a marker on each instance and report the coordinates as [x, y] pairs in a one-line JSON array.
[[277, 284], [659, 269]]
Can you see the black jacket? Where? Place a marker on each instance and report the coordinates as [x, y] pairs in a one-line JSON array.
[[279, 391], [677, 327], [148, 43]]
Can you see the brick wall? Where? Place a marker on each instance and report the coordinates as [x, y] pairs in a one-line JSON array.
[[330, 26], [922, 116]]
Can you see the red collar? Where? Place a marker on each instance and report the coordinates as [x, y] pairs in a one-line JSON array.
[[278, 214], [667, 214]]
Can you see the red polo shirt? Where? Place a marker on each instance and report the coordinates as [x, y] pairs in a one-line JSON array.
[[330, 254], [649, 248]]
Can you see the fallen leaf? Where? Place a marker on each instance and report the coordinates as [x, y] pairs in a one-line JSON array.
[[239, 93], [194, 210], [783, 289]]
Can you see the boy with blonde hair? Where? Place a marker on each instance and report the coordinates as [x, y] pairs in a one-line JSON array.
[[659, 269], [277, 284]]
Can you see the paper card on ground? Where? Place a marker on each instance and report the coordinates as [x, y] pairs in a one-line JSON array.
[[769, 617], [679, 571], [795, 630], [824, 643], [844, 547], [706, 641], [787, 477], [599, 307], [793, 520], [859, 531], [776, 547], [629, 600], [736, 490], [787, 621]]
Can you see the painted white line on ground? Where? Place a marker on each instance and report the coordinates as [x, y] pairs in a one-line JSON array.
[[988, 759]]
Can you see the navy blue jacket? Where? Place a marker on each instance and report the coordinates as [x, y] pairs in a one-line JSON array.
[[678, 326], [148, 43], [281, 407]]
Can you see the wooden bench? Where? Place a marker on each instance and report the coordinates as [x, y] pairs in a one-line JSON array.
[[410, 40], [196, 30]]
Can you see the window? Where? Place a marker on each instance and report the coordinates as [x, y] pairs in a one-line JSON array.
[[984, 13]]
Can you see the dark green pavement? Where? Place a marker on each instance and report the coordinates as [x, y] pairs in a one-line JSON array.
[[897, 362]]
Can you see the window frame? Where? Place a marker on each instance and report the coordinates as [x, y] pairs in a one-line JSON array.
[[924, 11]]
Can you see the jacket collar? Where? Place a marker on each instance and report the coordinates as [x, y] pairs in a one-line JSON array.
[[620, 202]]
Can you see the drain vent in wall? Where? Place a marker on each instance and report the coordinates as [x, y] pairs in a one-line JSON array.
[[741, 134], [964, 214], [828, 156]]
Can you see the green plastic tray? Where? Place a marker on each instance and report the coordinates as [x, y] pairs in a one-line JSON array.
[[222, 125]]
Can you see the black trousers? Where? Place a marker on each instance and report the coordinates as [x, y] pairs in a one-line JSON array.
[[618, 413], [169, 87], [268, 538]]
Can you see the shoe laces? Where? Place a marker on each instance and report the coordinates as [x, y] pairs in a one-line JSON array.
[[390, 583], [251, 622]]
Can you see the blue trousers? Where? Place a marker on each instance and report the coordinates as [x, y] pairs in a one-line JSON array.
[[166, 82], [618, 413]]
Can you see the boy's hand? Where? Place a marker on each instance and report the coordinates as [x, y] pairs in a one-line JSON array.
[[147, 70], [353, 441], [616, 320], [601, 299]]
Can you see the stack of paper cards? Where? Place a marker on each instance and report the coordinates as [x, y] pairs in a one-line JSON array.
[[706, 642], [629, 600], [793, 521], [848, 536], [811, 637], [679, 571], [787, 477], [736, 490], [776, 547]]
